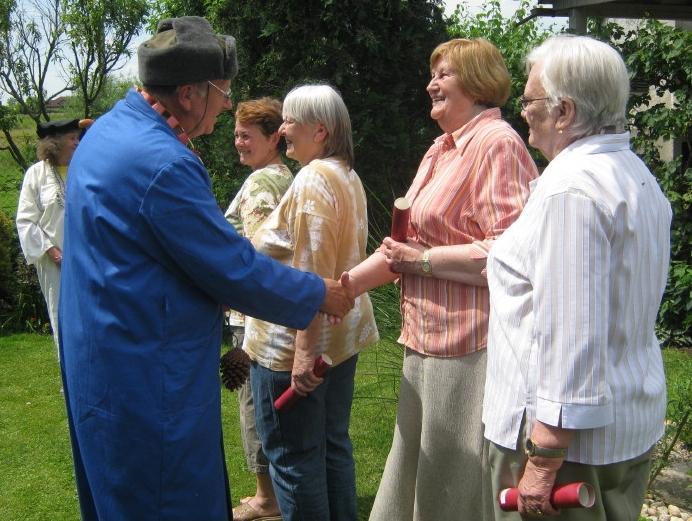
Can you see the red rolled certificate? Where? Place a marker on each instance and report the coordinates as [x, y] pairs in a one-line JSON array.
[[290, 397], [571, 495], [400, 218]]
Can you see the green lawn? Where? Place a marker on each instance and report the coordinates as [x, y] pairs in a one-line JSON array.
[[37, 481]]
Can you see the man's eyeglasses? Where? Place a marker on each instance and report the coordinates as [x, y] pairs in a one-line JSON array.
[[525, 102], [225, 94]]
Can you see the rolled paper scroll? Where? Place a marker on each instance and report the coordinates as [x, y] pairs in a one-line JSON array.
[[290, 396], [570, 495], [400, 218]]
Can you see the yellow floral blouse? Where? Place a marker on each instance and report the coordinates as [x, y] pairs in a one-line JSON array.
[[320, 225]]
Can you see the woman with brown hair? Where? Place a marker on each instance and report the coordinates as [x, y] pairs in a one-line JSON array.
[[259, 146], [470, 186]]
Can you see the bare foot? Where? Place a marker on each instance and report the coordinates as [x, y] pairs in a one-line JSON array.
[[264, 506]]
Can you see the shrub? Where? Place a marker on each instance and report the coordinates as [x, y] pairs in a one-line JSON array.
[[376, 53], [657, 56], [678, 367], [22, 307], [7, 283]]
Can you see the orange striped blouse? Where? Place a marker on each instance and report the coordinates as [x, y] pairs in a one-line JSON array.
[[470, 186]]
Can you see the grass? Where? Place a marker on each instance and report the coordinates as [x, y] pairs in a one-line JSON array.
[[10, 184], [37, 480]]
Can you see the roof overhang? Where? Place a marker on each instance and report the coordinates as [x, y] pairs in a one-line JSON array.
[[661, 9]]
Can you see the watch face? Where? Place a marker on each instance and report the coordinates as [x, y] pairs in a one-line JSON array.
[[426, 266], [529, 448]]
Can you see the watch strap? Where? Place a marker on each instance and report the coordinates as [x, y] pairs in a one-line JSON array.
[[532, 449]]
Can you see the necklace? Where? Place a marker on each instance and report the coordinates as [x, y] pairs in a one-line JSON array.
[[171, 120], [60, 182]]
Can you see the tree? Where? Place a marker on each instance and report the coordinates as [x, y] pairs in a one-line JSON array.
[[658, 58], [99, 34], [85, 39], [28, 45], [376, 53], [114, 89]]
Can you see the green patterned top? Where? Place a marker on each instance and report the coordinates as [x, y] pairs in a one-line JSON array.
[[256, 199]]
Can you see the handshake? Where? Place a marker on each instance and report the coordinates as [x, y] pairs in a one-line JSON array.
[[339, 298]]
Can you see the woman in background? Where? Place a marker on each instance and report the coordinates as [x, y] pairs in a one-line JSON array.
[[41, 208], [259, 146]]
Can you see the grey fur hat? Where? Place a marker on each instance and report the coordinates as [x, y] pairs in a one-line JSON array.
[[186, 50]]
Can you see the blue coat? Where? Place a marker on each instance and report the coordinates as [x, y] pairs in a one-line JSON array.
[[149, 259]]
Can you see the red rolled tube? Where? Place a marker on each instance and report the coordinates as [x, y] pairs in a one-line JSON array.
[[400, 218], [570, 495], [289, 397]]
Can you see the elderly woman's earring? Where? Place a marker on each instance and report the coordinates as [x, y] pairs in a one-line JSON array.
[[559, 131]]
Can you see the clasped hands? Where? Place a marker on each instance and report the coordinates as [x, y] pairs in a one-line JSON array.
[[339, 299], [402, 257], [55, 254], [340, 295]]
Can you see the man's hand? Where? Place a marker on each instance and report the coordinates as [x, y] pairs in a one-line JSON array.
[[347, 282], [55, 254], [536, 485], [337, 300]]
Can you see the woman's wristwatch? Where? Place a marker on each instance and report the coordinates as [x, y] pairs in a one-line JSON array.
[[425, 265], [544, 452]]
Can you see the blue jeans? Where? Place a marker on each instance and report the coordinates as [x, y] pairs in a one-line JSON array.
[[308, 447]]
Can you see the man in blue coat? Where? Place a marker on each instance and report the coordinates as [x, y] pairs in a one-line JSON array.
[[149, 261]]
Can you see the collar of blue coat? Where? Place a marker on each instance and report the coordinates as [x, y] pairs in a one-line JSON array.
[[170, 119]]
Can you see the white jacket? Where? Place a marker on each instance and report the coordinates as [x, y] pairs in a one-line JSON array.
[[41, 211]]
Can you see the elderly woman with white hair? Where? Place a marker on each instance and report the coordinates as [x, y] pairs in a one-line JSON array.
[[575, 389], [320, 225]]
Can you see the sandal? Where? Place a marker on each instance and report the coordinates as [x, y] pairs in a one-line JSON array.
[[245, 512]]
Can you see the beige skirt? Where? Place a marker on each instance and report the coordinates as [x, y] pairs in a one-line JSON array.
[[437, 468]]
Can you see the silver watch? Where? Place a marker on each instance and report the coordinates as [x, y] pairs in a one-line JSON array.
[[425, 265]]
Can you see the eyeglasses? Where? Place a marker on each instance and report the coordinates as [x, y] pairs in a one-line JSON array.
[[525, 102], [225, 94]]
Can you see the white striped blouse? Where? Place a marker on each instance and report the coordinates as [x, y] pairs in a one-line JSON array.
[[575, 286]]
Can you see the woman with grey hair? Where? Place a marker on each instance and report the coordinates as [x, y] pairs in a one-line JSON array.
[[41, 208], [320, 225], [575, 389]]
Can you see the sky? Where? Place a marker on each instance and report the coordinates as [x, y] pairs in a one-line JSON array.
[[130, 68]]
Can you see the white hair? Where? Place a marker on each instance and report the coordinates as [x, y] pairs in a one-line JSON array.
[[589, 72], [323, 104]]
